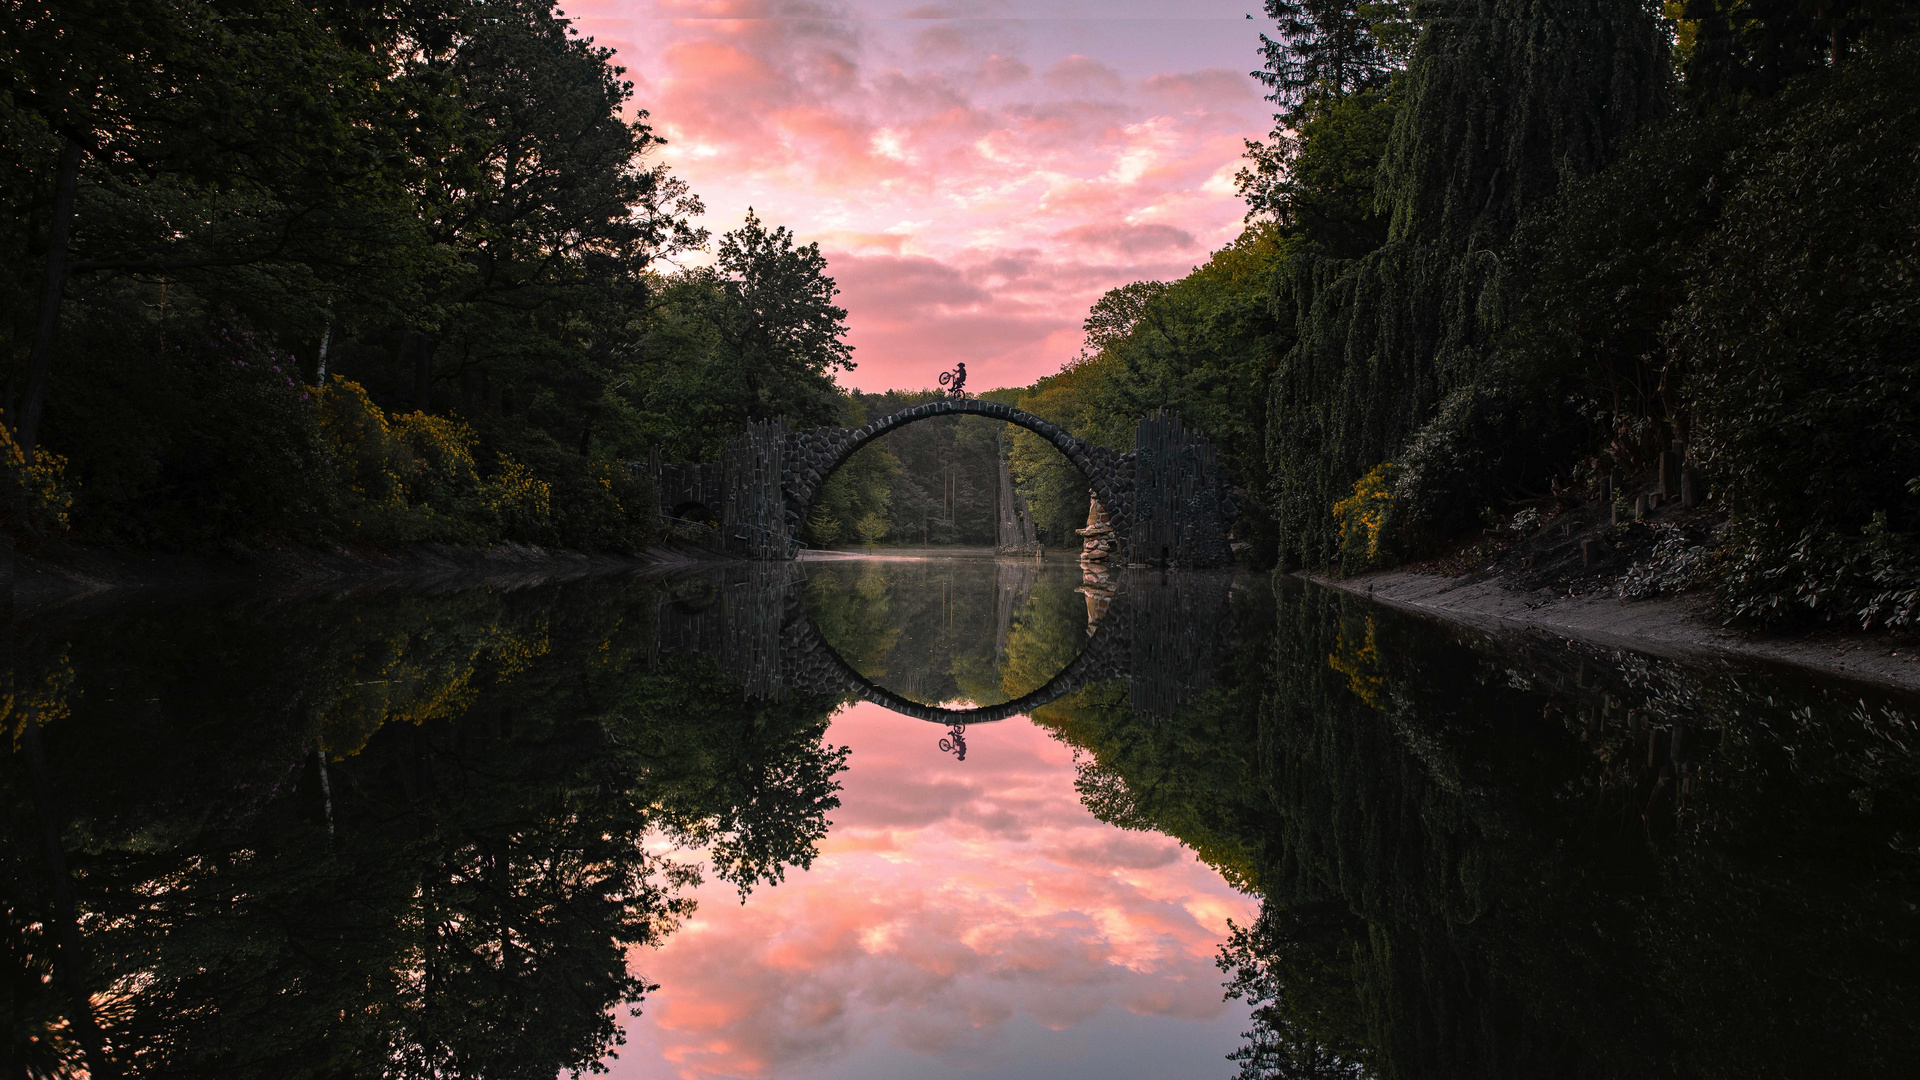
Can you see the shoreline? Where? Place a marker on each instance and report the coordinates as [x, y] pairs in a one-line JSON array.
[[1680, 627], [80, 577]]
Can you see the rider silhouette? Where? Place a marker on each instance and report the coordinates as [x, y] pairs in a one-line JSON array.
[[955, 381]]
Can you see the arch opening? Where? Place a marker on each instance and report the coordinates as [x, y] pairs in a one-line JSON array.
[[697, 512], [819, 453]]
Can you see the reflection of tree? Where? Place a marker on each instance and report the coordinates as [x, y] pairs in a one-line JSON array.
[[928, 630], [449, 890], [1047, 633], [853, 607], [1481, 858]]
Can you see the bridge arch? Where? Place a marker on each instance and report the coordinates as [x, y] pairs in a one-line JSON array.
[[813, 455], [816, 665]]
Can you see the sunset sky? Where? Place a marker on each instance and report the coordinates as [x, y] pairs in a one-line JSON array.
[[964, 919], [977, 172]]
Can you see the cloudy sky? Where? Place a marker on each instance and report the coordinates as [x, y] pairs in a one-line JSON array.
[[978, 172], [964, 919]]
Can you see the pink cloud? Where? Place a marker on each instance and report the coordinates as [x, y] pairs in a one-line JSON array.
[[1008, 202], [1083, 75], [1218, 87], [949, 901], [1129, 239]]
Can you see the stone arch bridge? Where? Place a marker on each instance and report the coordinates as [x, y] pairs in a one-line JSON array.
[[1168, 497]]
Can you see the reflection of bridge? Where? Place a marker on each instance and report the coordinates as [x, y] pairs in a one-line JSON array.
[[1159, 634], [1168, 498]]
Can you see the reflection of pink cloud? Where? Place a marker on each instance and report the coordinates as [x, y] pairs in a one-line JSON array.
[[964, 138], [949, 901]]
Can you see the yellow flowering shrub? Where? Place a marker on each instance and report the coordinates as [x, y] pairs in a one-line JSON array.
[[37, 496], [45, 699], [360, 445], [440, 468], [521, 501], [1365, 519]]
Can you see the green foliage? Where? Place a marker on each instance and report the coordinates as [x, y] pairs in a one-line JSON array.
[[201, 437], [1734, 51], [857, 500], [933, 481], [1499, 103], [1202, 345], [1800, 321], [451, 206]]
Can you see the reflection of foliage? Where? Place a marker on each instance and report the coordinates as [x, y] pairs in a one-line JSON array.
[[1192, 778], [932, 630], [749, 780], [1490, 858], [456, 892], [45, 699], [1294, 967], [854, 615], [1044, 637], [1360, 663]]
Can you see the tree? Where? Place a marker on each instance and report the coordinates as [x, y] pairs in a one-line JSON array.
[[773, 312], [201, 132]]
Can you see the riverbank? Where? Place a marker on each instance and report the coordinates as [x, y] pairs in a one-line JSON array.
[[1681, 626], [40, 583]]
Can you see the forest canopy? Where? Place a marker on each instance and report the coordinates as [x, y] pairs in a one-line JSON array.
[[383, 275], [337, 273]]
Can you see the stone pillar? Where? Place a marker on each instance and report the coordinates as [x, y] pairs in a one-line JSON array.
[[1096, 558]]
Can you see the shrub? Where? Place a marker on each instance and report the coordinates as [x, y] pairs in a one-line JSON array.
[[1367, 518], [37, 496], [362, 453], [1678, 562], [1802, 327], [520, 502]]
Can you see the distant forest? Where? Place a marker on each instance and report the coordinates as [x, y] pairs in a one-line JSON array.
[[379, 275]]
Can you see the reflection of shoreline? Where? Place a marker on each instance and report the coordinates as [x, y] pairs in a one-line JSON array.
[[891, 554]]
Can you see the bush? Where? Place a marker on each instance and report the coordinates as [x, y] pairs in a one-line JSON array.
[[415, 478], [208, 439], [544, 493], [1366, 520], [1802, 327], [37, 497]]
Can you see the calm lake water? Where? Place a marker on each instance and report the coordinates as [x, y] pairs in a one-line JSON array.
[[937, 816]]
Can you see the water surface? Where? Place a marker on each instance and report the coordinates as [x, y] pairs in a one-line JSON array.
[[470, 831]]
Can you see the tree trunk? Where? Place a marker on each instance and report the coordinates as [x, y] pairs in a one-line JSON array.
[[424, 348], [40, 359], [326, 339]]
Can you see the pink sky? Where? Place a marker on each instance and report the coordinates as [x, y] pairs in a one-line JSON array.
[[978, 173], [963, 919]]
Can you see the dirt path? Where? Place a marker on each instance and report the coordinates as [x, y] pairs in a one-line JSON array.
[[1672, 627]]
